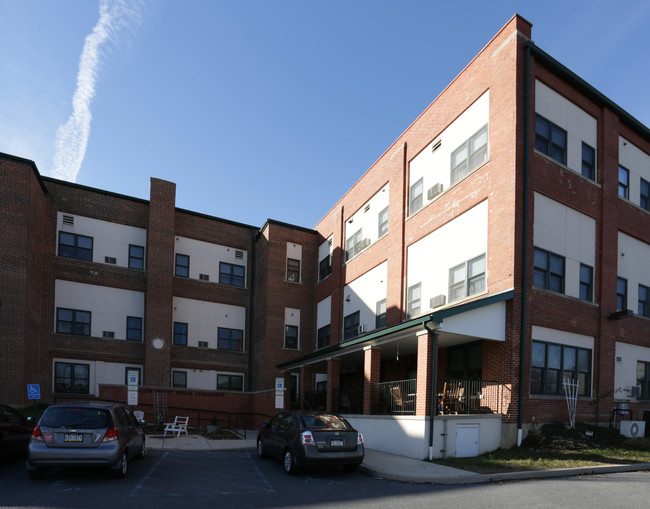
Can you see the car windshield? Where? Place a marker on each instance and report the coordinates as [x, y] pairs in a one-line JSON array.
[[324, 421], [73, 417]]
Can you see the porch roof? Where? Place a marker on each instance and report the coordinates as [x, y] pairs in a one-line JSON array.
[[435, 317]]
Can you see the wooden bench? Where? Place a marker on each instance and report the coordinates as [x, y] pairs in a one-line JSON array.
[[178, 426]]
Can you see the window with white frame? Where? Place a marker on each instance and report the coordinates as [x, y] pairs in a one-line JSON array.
[[470, 155], [354, 245], [134, 328], [383, 223], [621, 294], [230, 339], [467, 278], [413, 298], [644, 196], [586, 282], [643, 379], [380, 314], [624, 182], [182, 265], [136, 257], [351, 325], [323, 338], [416, 196], [644, 301], [291, 337], [293, 270], [588, 161], [76, 246]]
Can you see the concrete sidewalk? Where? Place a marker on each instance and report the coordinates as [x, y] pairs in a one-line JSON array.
[[390, 466]]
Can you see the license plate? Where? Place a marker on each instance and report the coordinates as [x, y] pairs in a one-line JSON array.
[[73, 437], [336, 443]]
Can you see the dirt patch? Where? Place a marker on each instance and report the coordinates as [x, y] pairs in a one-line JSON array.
[[559, 437]]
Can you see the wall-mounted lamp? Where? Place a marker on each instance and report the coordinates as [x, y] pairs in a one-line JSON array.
[[347, 299]]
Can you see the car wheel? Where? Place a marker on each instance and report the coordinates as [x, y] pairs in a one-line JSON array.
[[350, 468], [143, 450], [120, 471], [260, 450], [289, 462]]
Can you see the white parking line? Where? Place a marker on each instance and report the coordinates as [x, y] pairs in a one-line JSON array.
[[134, 491]]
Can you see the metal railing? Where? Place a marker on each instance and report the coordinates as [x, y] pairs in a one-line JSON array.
[[396, 397], [458, 396]]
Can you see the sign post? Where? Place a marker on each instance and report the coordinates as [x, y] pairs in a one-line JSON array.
[[34, 392], [279, 393], [132, 380]]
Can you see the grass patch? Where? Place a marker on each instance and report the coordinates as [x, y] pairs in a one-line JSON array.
[[556, 446]]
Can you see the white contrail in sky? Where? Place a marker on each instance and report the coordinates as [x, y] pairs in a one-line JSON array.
[[72, 138]]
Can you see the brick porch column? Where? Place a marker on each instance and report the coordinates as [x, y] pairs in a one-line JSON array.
[[306, 385], [371, 376], [333, 384], [423, 388]]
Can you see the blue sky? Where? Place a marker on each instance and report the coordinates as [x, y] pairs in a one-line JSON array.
[[266, 109]]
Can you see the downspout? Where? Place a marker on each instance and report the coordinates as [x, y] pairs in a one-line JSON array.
[[432, 410], [251, 305], [524, 276]]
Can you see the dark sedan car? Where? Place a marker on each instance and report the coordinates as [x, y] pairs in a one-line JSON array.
[[310, 439], [15, 431], [91, 433]]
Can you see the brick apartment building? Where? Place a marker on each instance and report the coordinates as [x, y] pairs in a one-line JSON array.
[[499, 247]]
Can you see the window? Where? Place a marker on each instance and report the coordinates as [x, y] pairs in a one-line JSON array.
[[230, 274], [624, 182], [644, 301], [552, 363], [291, 336], [383, 223], [550, 139], [72, 321], [179, 379], [644, 202], [467, 279], [293, 270], [180, 333], [351, 325], [71, 378], [380, 314], [230, 339], [586, 282], [643, 378], [354, 245], [470, 155], [323, 339], [230, 382], [76, 246], [588, 161], [621, 294], [416, 197], [324, 267], [134, 328], [182, 265], [548, 271], [136, 257], [413, 300]]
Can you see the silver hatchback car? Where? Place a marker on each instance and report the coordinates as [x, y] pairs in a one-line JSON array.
[[85, 433]]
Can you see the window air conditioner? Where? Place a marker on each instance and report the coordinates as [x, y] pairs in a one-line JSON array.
[[361, 329], [434, 191], [203, 344], [437, 301]]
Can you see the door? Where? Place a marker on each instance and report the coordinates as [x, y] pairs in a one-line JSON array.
[[467, 440]]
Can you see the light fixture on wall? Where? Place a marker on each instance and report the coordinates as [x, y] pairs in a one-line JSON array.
[[347, 299], [397, 353]]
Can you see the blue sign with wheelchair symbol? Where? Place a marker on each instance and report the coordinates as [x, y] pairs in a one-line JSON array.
[[33, 391]]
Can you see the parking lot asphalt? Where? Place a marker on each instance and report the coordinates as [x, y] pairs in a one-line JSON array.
[[391, 466]]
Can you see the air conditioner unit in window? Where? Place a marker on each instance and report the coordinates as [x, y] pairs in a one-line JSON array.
[[633, 428], [635, 391], [434, 191], [203, 344], [108, 334], [361, 329], [437, 301]]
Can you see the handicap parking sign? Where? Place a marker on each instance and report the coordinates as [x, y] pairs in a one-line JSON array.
[[33, 391]]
